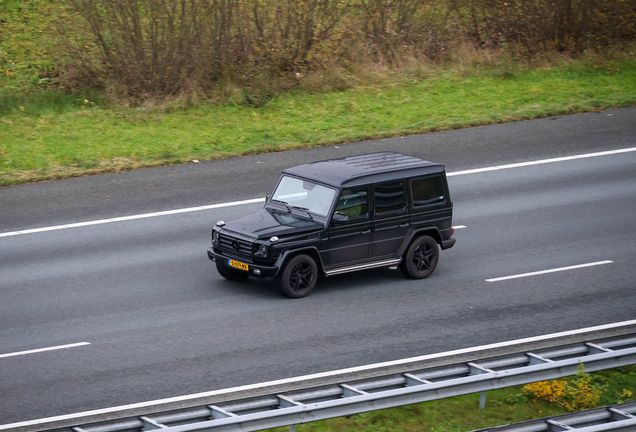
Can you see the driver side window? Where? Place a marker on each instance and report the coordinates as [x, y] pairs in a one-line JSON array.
[[353, 202]]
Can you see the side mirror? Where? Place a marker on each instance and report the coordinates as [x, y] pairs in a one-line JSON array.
[[267, 196], [339, 217]]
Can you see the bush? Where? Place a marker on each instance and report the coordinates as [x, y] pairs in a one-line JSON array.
[[144, 50], [149, 48], [583, 391], [571, 25]]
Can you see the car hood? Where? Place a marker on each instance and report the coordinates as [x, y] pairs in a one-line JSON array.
[[269, 222]]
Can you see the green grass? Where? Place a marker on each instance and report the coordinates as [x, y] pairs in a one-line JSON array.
[[462, 413], [45, 135], [27, 45]]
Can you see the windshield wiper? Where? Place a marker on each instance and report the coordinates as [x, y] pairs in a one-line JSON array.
[[289, 207], [303, 209], [283, 203]]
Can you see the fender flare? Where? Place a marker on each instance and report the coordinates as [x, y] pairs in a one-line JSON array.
[[432, 231], [309, 250]]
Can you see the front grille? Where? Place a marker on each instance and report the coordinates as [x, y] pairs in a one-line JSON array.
[[236, 247]]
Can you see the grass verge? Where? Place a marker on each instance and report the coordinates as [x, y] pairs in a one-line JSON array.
[[49, 136], [460, 414]]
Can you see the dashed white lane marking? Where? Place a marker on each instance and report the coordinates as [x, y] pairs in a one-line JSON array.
[[459, 226], [15, 426], [554, 270], [257, 200], [39, 350]]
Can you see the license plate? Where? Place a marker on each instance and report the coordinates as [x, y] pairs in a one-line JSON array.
[[238, 265]]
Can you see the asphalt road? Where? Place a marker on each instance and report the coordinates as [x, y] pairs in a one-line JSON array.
[[161, 322]]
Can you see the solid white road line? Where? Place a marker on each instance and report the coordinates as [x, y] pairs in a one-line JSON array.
[[127, 218], [256, 200], [317, 375], [39, 350], [560, 269], [543, 161]]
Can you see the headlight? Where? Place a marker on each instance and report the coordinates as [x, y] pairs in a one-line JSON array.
[[215, 236], [262, 251]]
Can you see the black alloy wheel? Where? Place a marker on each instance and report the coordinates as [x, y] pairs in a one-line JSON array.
[[229, 274], [420, 258], [298, 277]]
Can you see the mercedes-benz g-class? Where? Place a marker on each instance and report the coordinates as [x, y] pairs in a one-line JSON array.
[[341, 215]]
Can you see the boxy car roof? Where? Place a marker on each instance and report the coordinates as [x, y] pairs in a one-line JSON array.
[[369, 168]]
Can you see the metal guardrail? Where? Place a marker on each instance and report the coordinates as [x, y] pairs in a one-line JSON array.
[[620, 417], [369, 394]]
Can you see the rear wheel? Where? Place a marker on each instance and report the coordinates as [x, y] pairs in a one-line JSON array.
[[229, 274], [420, 258], [298, 277]]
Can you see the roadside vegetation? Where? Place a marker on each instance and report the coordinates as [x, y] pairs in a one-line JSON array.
[[90, 87], [505, 406]]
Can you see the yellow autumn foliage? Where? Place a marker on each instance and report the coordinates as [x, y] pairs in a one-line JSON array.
[[574, 393]]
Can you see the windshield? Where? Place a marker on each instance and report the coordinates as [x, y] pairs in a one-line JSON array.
[[305, 195]]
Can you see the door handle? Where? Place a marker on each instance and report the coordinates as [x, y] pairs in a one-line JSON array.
[[404, 225], [366, 232]]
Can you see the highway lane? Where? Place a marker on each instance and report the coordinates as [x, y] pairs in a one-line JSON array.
[[162, 323], [167, 188]]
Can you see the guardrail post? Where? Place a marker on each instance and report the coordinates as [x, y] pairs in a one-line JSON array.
[[476, 369], [292, 428]]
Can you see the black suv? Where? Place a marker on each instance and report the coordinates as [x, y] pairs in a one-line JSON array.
[[341, 215]]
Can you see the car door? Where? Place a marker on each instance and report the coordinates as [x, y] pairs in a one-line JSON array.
[[350, 240], [391, 217]]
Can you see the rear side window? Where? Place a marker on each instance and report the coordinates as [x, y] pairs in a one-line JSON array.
[[427, 190], [389, 196]]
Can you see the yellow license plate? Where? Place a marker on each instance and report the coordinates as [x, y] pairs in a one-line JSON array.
[[238, 265]]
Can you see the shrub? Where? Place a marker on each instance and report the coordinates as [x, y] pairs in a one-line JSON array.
[[156, 49], [574, 394], [571, 25]]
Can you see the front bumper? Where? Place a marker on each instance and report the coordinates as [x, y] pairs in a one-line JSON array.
[[254, 269]]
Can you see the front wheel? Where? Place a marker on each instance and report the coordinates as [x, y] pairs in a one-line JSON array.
[[298, 277], [230, 274], [420, 258]]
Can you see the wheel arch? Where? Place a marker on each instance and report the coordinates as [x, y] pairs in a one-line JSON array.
[[312, 251], [431, 231]]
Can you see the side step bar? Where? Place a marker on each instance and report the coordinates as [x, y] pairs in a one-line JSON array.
[[382, 263]]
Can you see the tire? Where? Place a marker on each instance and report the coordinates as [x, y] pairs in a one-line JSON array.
[[298, 277], [230, 274], [421, 258]]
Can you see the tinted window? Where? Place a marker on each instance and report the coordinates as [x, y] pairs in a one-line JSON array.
[[389, 196], [353, 202], [427, 190]]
